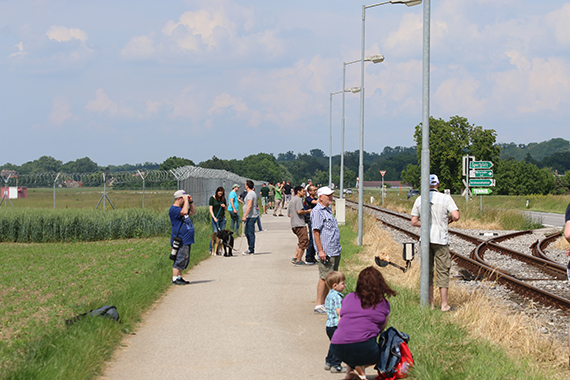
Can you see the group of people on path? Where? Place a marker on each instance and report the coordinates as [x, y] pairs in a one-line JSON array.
[[355, 321]]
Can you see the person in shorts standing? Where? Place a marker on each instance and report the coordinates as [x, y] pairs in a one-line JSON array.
[[271, 195], [182, 226], [250, 215], [297, 214], [326, 237], [443, 211], [264, 192]]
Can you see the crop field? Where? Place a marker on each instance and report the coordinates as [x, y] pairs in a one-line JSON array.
[[56, 264]]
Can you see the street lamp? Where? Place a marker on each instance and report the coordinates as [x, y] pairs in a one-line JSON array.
[[409, 3], [374, 59], [354, 90]]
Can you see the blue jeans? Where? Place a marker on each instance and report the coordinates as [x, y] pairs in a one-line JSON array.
[[310, 255], [235, 222], [249, 231], [217, 226], [332, 360], [259, 223]]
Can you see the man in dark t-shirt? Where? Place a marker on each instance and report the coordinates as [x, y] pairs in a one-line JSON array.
[[287, 191], [264, 191], [311, 201]]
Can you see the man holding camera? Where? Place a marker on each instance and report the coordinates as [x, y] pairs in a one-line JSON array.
[[326, 237], [183, 228]]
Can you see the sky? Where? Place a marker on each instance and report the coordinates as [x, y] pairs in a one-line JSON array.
[[140, 81]]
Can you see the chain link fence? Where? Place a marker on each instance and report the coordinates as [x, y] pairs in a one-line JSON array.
[[202, 183], [199, 182]]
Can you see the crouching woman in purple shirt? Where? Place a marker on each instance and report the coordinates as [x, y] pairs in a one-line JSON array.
[[363, 316]]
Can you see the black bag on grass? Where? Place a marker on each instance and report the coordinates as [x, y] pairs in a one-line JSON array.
[[104, 311]]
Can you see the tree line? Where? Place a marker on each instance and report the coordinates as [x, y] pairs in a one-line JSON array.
[[535, 173]]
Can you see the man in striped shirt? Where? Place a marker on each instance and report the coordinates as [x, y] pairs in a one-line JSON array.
[[326, 238]]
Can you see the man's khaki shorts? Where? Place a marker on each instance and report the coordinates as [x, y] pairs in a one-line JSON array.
[[441, 257], [330, 265], [303, 237]]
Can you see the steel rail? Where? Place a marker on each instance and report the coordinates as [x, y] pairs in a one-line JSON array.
[[477, 268]]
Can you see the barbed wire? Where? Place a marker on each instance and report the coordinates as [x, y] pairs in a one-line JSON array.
[[44, 179]]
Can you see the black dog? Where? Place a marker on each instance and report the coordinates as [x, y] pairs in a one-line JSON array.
[[225, 241]]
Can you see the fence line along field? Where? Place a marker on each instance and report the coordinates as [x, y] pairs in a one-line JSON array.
[[56, 264]]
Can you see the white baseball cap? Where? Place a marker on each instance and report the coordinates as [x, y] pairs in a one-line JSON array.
[[179, 194], [325, 190], [433, 180]]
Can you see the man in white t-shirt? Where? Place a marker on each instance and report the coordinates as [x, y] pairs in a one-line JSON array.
[[443, 211]]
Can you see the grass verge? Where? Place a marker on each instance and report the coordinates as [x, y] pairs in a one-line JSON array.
[[42, 285], [482, 340]]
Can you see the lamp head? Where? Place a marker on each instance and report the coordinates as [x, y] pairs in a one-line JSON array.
[[409, 3], [377, 58]]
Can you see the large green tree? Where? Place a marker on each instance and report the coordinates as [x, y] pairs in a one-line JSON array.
[[175, 162], [449, 142]]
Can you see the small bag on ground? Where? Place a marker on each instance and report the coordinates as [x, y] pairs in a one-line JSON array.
[[106, 311]]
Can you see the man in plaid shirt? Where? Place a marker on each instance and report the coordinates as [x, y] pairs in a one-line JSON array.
[[326, 238]]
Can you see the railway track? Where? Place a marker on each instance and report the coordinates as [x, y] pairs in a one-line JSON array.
[[542, 269]]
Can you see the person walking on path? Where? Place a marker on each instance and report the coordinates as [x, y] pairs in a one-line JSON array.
[[443, 211], [335, 283], [250, 215], [233, 208], [264, 192], [271, 198], [217, 206], [297, 214], [326, 237], [311, 201], [278, 200], [182, 227]]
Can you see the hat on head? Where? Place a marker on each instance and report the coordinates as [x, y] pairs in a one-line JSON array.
[[235, 185], [179, 194], [325, 190], [433, 180]]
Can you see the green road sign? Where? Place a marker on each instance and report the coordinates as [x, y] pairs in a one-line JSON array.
[[480, 173], [481, 182], [481, 191], [480, 165]]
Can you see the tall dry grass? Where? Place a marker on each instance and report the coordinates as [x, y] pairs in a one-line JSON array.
[[480, 313]]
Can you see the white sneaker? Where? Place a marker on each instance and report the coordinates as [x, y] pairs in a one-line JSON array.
[[246, 252], [320, 309]]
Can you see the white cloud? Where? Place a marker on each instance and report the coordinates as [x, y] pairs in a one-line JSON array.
[[61, 111], [102, 104], [459, 96], [64, 34], [139, 47], [225, 101], [558, 22], [221, 28], [20, 51], [534, 84]]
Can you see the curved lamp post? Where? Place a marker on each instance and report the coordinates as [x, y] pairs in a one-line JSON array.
[[354, 90], [374, 59], [408, 3]]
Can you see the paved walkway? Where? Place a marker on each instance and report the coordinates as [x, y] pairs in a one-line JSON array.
[[242, 317]]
